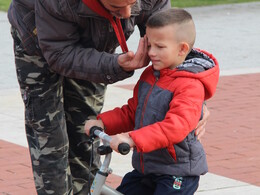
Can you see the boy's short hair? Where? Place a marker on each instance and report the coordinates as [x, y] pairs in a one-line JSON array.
[[174, 16]]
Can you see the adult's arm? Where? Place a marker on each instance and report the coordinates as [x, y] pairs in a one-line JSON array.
[[59, 41]]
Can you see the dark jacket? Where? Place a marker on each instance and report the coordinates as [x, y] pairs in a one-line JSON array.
[[163, 114], [75, 41]]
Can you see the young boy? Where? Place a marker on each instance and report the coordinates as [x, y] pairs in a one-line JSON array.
[[159, 120]]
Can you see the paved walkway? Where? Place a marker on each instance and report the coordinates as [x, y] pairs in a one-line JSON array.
[[232, 140]]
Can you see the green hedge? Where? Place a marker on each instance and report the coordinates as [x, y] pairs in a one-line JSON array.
[[4, 4], [193, 3]]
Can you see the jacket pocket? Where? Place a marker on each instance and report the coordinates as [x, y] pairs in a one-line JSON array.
[[160, 156], [27, 30], [29, 108], [30, 39]]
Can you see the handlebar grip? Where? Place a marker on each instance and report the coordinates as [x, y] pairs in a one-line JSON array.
[[124, 148], [92, 131]]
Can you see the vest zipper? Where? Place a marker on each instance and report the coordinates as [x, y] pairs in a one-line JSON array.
[[142, 117], [146, 100]]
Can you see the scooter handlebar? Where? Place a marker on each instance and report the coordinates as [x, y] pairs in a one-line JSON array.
[[124, 148], [95, 131]]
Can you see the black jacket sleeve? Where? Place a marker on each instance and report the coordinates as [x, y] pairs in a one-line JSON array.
[[59, 41]]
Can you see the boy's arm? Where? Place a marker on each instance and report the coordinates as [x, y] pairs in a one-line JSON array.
[[180, 120], [115, 139], [121, 119]]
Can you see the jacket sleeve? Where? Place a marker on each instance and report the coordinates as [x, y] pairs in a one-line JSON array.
[[182, 117], [121, 119], [150, 7], [59, 41]]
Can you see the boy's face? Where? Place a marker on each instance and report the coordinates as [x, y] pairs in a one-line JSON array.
[[163, 47]]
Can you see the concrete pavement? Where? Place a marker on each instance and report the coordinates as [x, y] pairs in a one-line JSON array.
[[231, 33]]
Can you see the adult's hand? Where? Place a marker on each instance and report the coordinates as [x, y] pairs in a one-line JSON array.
[[201, 127], [130, 61]]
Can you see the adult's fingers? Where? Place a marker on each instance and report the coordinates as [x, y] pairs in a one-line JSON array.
[[201, 131], [129, 61], [201, 127], [145, 59], [140, 59], [124, 60]]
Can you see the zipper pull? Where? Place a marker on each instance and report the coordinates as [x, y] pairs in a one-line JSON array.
[[156, 73]]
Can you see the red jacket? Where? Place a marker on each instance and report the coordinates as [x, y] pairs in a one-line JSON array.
[[164, 110]]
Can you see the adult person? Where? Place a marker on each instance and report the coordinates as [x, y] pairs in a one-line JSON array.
[[64, 56]]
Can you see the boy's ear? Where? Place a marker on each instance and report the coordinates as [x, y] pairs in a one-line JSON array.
[[184, 48]]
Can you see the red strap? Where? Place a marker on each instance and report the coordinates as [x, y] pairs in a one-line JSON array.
[[95, 6]]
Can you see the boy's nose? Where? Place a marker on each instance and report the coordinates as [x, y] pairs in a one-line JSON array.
[[151, 52]]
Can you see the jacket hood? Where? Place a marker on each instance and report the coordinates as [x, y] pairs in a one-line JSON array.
[[201, 65]]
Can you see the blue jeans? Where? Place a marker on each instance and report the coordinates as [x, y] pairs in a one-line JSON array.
[[135, 183]]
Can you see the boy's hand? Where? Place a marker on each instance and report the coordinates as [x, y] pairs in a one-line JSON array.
[[121, 138], [200, 129], [90, 123]]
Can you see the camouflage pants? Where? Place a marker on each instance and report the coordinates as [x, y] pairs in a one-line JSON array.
[[56, 108]]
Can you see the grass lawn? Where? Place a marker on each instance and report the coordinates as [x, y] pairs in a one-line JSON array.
[[4, 4], [194, 3]]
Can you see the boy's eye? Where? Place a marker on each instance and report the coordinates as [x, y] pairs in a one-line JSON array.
[[160, 46]]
